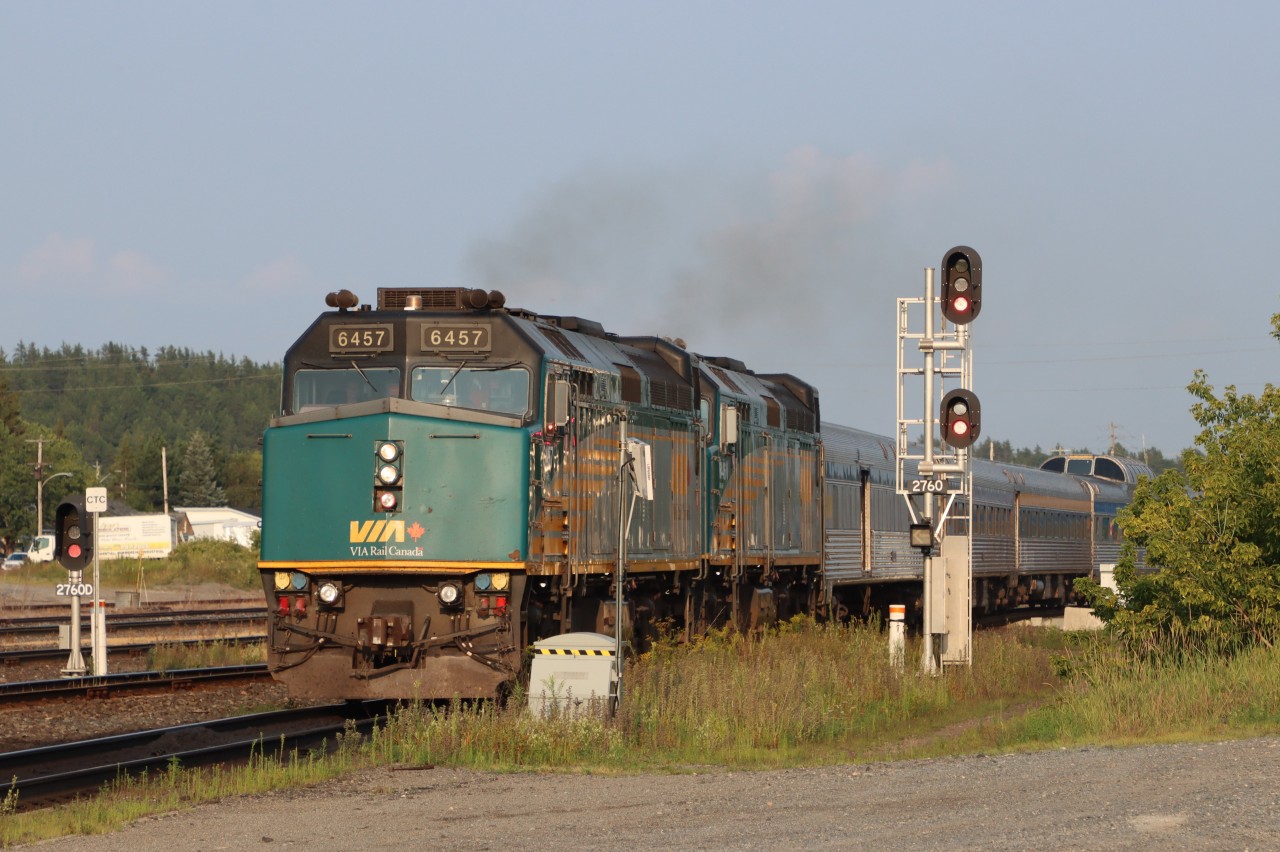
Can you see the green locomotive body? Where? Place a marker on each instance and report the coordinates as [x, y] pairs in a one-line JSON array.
[[446, 482]]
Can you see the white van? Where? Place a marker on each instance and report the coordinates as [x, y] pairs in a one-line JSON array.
[[41, 548]]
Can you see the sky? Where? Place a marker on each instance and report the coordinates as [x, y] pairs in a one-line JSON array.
[[762, 180]]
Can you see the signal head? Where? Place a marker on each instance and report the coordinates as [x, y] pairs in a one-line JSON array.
[[961, 284], [960, 418], [73, 535]]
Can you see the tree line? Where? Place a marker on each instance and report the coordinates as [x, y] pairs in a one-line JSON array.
[[1006, 453], [109, 416]]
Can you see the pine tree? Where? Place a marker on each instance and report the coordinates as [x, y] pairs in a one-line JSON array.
[[198, 481]]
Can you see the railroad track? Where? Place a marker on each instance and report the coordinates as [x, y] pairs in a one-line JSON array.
[[174, 679], [36, 624], [61, 607], [52, 774], [29, 655]]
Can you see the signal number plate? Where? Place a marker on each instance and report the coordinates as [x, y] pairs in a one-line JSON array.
[[456, 338], [930, 486], [361, 338]]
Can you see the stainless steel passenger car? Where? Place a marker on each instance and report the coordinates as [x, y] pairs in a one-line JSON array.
[[1034, 530]]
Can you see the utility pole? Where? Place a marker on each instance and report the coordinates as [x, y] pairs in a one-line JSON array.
[[39, 473], [40, 484]]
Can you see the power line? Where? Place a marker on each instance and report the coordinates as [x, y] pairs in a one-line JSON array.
[[147, 385]]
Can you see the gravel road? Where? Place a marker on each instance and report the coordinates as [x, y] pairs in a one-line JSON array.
[[1189, 796]]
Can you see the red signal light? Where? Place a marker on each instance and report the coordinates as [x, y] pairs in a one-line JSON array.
[[960, 418], [961, 285], [73, 550]]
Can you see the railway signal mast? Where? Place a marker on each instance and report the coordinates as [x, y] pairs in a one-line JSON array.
[[934, 476], [75, 534], [74, 548]]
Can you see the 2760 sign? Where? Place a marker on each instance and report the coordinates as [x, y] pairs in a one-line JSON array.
[[361, 338], [929, 486]]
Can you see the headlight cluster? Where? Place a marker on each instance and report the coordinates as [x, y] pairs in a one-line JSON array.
[[329, 593], [294, 587], [450, 595], [388, 475], [490, 589]]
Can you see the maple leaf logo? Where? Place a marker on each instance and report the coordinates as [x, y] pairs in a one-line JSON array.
[[416, 531]]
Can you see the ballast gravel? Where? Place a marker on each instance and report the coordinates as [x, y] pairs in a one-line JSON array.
[[1222, 795]]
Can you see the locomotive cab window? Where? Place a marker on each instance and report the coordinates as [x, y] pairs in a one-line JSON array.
[[504, 390], [319, 388]]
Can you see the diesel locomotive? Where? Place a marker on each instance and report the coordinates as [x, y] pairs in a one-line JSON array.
[[448, 480]]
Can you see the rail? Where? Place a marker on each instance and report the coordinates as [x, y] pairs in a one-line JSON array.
[[40, 777], [173, 679]]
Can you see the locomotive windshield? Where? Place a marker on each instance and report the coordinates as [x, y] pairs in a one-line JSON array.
[[504, 389], [316, 388]]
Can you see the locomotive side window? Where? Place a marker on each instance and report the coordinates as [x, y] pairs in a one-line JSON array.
[[320, 388], [504, 390]]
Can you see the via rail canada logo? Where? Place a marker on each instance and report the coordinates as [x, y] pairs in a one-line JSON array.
[[385, 538]]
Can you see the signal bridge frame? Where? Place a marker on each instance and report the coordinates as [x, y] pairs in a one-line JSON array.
[[935, 477]]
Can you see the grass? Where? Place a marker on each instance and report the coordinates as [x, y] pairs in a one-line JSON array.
[[192, 563], [806, 694], [174, 656]]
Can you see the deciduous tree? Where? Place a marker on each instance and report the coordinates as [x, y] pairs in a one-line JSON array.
[[1213, 532]]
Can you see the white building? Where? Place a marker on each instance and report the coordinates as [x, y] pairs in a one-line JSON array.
[[221, 523]]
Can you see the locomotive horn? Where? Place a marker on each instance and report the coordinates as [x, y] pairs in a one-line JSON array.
[[343, 299]]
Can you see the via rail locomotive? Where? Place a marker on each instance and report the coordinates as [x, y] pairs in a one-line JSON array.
[[441, 489]]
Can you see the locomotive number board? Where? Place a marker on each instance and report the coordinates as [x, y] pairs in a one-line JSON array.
[[455, 337], [368, 337]]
